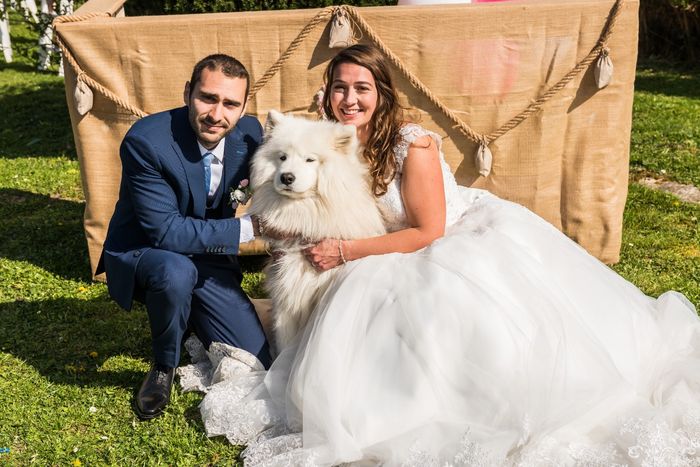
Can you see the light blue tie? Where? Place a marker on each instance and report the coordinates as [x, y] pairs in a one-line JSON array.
[[206, 160]]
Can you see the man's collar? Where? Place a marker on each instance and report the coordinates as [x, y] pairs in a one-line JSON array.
[[218, 151]]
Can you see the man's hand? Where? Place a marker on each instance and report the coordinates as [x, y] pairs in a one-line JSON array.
[[256, 226], [261, 230]]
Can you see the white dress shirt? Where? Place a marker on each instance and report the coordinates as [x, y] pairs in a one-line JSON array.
[[217, 170]]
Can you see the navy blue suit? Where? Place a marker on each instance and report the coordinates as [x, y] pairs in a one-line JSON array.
[[169, 248]]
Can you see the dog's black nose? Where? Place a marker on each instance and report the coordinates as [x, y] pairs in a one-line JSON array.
[[287, 178]]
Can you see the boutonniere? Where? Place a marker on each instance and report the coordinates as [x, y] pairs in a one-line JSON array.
[[241, 194]]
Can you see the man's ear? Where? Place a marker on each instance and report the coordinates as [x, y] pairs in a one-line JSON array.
[[273, 118], [186, 94]]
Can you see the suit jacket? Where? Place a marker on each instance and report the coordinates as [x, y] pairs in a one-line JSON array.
[[162, 198]]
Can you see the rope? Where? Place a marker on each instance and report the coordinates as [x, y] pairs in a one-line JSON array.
[[518, 119], [600, 47], [80, 73], [77, 18], [323, 15], [320, 17], [463, 127]]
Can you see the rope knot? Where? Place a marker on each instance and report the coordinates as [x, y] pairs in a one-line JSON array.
[[483, 158], [342, 31], [83, 95], [603, 69]]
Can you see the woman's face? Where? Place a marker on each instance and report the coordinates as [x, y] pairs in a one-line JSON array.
[[354, 97]]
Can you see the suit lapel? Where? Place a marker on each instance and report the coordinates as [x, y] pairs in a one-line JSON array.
[[235, 159], [185, 145]]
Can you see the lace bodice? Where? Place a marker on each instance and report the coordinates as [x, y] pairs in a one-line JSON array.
[[391, 204]]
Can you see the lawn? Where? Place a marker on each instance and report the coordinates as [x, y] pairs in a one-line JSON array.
[[70, 358]]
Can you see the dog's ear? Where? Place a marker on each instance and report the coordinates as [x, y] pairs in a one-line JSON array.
[[273, 118], [262, 170], [346, 139]]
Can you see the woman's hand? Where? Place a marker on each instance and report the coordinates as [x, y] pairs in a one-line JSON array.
[[326, 254]]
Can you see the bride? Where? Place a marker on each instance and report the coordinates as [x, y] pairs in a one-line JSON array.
[[474, 333]]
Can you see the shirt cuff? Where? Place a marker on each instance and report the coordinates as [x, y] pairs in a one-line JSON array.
[[247, 233]]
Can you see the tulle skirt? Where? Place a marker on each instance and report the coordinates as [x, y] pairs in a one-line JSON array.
[[502, 343]]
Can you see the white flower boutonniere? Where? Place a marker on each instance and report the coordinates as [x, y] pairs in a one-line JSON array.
[[241, 194]]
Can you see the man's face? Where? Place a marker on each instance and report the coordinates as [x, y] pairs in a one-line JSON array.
[[216, 103]]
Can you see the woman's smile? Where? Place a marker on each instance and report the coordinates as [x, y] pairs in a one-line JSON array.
[[354, 97]]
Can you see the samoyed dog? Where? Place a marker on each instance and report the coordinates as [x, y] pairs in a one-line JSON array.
[[309, 183]]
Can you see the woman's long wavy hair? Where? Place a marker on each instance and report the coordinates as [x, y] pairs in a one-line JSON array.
[[387, 118]]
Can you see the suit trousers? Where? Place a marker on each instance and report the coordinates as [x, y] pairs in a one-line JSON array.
[[202, 292]]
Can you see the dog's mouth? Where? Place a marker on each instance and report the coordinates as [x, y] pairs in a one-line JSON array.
[[289, 192], [285, 190]]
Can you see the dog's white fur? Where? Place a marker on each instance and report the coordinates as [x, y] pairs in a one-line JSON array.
[[328, 198]]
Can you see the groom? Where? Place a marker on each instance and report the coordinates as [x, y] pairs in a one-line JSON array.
[[173, 239]]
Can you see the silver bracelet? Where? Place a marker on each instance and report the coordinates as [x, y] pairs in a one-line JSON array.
[[340, 250]]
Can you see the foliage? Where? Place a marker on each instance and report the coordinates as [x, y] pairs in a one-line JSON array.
[[156, 7], [33, 27], [670, 29]]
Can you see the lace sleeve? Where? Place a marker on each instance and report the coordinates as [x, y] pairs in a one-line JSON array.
[[455, 204], [410, 133]]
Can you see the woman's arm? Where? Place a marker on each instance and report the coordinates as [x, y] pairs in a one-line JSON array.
[[423, 197]]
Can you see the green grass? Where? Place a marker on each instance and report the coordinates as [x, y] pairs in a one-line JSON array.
[[666, 133], [661, 243], [70, 358]]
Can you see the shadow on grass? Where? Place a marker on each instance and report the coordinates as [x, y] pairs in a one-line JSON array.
[[58, 338], [44, 231], [20, 67], [34, 120], [663, 79]]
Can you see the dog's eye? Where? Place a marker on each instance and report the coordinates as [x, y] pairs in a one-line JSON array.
[[309, 159], [283, 157]]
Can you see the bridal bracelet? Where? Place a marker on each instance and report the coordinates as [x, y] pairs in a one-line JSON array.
[[340, 250]]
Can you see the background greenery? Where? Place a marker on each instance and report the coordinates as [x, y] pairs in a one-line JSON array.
[[159, 7], [70, 358], [670, 28]]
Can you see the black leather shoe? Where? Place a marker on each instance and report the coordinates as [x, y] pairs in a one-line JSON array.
[[154, 393]]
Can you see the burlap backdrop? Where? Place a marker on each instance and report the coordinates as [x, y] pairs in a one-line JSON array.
[[485, 61]]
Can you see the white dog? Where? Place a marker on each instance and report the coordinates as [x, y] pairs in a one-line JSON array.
[[309, 184]]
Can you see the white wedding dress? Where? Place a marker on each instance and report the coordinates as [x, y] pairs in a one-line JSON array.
[[502, 343]]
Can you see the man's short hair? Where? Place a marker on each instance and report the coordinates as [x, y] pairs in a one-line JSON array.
[[228, 65]]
